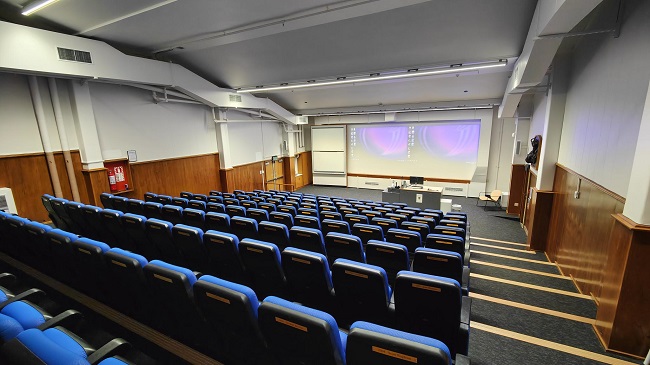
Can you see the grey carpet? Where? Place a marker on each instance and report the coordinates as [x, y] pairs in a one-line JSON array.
[[534, 279]]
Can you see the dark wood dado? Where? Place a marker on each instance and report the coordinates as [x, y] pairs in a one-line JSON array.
[[198, 174], [538, 220], [245, 177], [517, 188], [96, 182], [580, 228], [623, 318], [395, 177]]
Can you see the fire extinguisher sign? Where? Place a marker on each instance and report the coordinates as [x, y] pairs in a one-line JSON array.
[[119, 174]]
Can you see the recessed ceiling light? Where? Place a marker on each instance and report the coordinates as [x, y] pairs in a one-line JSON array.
[[374, 74], [284, 84], [310, 81], [412, 70], [36, 6], [465, 91], [341, 78]]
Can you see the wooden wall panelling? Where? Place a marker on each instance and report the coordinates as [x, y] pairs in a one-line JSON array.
[[579, 229], [290, 171], [227, 180], [96, 182], [307, 175], [539, 218], [517, 186], [81, 182], [197, 174], [623, 318], [29, 178], [247, 177]]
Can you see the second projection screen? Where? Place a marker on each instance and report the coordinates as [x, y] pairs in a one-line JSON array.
[[437, 149]]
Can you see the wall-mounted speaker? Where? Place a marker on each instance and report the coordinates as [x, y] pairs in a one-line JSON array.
[[285, 145]]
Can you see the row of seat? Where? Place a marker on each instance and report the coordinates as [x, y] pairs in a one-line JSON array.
[[29, 334], [189, 246], [411, 234], [362, 291]]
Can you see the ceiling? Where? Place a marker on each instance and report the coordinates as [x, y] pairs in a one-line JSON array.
[[244, 43]]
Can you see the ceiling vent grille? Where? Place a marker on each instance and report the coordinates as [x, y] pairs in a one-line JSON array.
[[235, 98], [74, 55]]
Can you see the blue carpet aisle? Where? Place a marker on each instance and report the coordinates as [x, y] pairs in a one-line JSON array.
[[524, 311]]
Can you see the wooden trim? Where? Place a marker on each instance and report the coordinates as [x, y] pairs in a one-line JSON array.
[[165, 159], [250, 163], [93, 170], [504, 248], [435, 179], [506, 242], [530, 286], [514, 268], [513, 258], [117, 159], [533, 308], [32, 154], [162, 341], [630, 224], [597, 185], [550, 344]]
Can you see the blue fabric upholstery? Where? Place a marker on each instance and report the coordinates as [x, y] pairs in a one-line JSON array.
[[112, 361], [62, 339], [9, 328], [48, 350], [141, 259], [381, 271], [250, 294], [25, 314], [187, 272], [104, 247], [426, 341]]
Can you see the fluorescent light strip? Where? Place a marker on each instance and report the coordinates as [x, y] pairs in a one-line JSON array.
[[36, 6], [440, 71], [401, 111]]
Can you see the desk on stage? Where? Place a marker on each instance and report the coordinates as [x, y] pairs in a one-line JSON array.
[[417, 197]]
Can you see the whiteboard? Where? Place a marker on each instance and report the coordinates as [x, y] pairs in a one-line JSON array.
[[328, 162], [328, 138]]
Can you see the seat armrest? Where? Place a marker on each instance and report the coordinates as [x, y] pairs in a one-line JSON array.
[[68, 319], [115, 347], [466, 258], [32, 295], [462, 360], [465, 310], [463, 339], [7, 279]]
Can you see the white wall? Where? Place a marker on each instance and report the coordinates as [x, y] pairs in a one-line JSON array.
[[254, 141], [128, 119], [538, 119], [501, 153], [18, 127], [605, 100]]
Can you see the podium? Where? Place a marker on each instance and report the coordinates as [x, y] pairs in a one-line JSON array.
[[417, 196]]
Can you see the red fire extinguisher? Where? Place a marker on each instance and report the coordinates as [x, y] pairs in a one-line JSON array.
[[111, 180]]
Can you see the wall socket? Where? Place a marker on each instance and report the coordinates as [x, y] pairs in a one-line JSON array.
[[418, 198], [516, 204], [576, 194]]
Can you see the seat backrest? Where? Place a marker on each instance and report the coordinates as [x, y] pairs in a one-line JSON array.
[[274, 232], [451, 231], [95, 226], [282, 217], [248, 204], [46, 199], [269, 207], [60, 247], [392, 257], [150, 197], [408, 238], [217, 222], [128, 290], [446, 243], [172, 213], [194, 217], [353, 219], [171, 288], [264, 266], [112, 220], [345, 246], [384, 223], [180, 202], [398, 217], [89, 264], [164, 199], [189, 242], [367, 232], [306, 221], [421, 228], [308, 239], [223, 251], [429, 221], [105, 198], [287, 209], [369, 343], [331, 215], [135, 206], [186, 194], [231, 311], [452, 223], [495, 195], [312, 212], [258, 214], [159, 233], [372, 214], [136, 235], [215, 207], [447, 264], [76, 216], [197, 204], [422, 300], [230, 201], [362, 291], [244, 227], [215, 199], [201, 197], [153, 210], [300, 335], [327, 208], [456, 216], [58, 204], [330, 225], [235, 211], [308, 278]]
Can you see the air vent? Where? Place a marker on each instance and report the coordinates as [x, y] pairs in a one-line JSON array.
[[74, 55], [453, 189], [235, 98]]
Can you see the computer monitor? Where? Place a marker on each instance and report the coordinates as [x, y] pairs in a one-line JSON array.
[[417, 180]]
